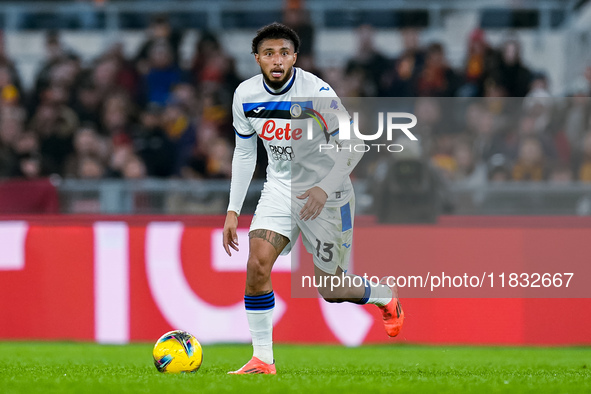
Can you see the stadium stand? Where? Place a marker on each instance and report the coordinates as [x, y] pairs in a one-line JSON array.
[[125, 91]]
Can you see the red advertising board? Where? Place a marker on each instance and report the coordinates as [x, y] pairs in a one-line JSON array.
[[121, 279]]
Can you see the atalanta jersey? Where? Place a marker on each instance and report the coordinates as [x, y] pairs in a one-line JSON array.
[[280, 119]]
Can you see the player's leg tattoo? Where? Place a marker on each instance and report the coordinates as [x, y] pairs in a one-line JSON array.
[[277, 240]]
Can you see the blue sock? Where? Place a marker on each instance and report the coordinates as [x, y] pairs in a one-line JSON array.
[[366, 294], [260, 302]]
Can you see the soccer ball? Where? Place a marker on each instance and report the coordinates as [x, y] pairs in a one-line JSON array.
[[177, 351]]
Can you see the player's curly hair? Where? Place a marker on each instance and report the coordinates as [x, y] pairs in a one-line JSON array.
[[275, 31]]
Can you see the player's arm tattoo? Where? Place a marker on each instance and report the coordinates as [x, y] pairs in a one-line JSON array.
[[277, 240]]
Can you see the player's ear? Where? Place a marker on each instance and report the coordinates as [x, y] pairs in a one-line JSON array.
[[257, 58], [295, 57]]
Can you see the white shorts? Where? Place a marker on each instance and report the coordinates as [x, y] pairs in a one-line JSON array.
[[328, 237]]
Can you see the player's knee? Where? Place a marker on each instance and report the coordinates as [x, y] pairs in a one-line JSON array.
[[257, 270]]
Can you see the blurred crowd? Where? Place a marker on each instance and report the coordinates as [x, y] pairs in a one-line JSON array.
[[158, 115], [502, 123], [119, 117]]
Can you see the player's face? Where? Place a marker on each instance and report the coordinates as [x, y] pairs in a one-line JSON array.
[[276, 58]]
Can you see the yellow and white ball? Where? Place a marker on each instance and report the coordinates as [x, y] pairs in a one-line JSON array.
[[177, 351]]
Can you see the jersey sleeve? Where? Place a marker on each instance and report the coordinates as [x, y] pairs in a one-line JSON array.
[[326, 98], [347, 157], [242, 126], [244, 159]]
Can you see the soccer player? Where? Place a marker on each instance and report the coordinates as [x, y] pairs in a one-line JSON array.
[[306, 191]]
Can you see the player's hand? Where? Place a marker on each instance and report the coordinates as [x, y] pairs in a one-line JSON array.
[[316, 200], [230, 237]]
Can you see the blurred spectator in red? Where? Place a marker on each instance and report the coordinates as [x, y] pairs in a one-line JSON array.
[[126, 75], [296, 16], [401, 79], [368, 63], [513, 75], [480, 58], [531, 164], [437, 79], [212, 69], [163, 73]]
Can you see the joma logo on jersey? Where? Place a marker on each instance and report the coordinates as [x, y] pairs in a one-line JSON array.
[[270, 131]]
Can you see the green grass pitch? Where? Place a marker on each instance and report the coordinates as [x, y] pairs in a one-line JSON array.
[[38, 367]]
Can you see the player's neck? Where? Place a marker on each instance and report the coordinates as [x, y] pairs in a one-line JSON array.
[[284, 86]]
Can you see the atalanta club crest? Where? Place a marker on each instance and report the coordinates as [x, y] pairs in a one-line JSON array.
[[295, 110]]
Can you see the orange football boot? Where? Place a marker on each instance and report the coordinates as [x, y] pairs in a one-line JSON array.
[[255, 366], [392, 314]]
